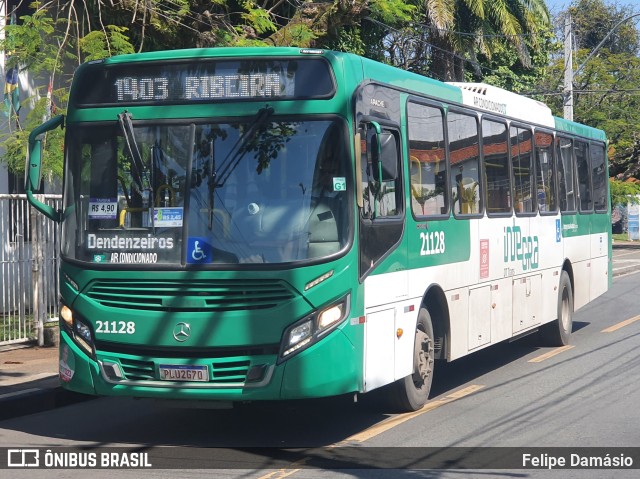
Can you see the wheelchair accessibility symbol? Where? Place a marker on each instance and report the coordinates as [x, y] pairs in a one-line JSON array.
[[198, 251]]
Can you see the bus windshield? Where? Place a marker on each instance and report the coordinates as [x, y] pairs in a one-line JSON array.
[[258, 191]]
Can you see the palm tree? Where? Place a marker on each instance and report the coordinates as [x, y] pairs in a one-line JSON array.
[[461, 28]]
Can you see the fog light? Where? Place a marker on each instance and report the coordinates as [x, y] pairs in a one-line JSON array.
[[112, 370], [256, 373]]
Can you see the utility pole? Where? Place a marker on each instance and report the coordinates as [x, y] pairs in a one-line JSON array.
[[568, 61], [568, 69]]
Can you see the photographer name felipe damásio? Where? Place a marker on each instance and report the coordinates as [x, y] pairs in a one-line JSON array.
[[575, 460]]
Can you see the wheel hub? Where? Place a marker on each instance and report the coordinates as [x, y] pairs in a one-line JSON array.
[[423, 358]]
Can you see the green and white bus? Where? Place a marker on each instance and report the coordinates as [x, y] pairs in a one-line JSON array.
[[245, 224]]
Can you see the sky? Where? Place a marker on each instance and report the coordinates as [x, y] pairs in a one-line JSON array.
[[556, 6]]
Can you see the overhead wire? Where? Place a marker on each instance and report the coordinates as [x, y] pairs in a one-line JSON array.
[[431, 45]]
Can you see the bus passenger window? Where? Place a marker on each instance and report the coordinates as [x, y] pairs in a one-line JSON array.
[[598, 167], [583, 170], [465, 163], [522, 164], [565, 175], [427, 161], [496, 166], [545, 166]]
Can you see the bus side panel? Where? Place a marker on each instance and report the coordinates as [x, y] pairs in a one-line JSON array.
[[599, 255], [577, 248], [389, 329], [548, 230]]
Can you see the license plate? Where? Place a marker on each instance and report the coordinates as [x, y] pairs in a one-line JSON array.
[[172, 372]]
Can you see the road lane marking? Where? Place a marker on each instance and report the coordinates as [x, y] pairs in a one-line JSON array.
[[618, 255], [19, 393], [550, 354], [284, 472], [380, 428], [622, 324], [394, 421]]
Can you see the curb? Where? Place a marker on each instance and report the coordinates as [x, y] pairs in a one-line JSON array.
[[39, 398]]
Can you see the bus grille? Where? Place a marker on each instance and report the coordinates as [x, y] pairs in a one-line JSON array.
[[137, 370], [224, 372], [230, 372], [216, 295]]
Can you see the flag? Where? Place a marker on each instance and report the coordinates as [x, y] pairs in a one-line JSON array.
[[12, 82], [50, 108], [12, 92]]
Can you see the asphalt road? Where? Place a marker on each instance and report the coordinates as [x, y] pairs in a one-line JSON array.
[[626, 259], [513, 395]]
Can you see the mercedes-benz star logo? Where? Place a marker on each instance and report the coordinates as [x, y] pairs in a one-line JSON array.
[[181, 332]]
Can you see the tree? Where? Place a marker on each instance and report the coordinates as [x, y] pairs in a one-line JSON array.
[[433, 36], [606, 92]]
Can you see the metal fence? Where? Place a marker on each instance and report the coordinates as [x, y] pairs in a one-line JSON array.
[[29, 283]]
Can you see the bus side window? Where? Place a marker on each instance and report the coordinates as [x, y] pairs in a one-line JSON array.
[[496, 166], [382, 190], [583, 171], [465, 163], [545, 173], [427, 162], [599, 170], [522, 165], [565, 175]]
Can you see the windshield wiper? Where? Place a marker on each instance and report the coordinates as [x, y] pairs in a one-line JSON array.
[[138, 169], [137, 165]]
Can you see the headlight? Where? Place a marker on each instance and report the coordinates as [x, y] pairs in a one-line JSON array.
[[312, 328], [83, 336], [83, 331], [301, 333], [78, 329]]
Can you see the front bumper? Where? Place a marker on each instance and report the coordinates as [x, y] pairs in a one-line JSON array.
[[329, 367]]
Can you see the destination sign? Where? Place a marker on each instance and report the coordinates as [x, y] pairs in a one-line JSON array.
[[203, 81]]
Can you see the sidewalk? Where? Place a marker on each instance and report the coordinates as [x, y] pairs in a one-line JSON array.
[[29, 380]]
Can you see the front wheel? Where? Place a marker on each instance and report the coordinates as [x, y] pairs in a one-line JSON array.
[[558, 332], [411, 393]]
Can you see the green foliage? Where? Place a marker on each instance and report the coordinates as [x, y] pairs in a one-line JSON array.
[[348, 40], [258, 18], [595, 19], [392, 11], [99, 44], [27, 43], [624, 192], [504, 68], [400, 32], [15, 143]]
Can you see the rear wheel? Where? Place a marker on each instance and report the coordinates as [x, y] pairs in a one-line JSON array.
[[558, 332], [411, 393]]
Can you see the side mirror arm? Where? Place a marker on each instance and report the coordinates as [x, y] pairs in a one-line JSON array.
[[33, 168]]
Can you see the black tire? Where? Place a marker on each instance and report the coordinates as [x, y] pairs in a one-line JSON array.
[[411, 393], [558, 332]]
